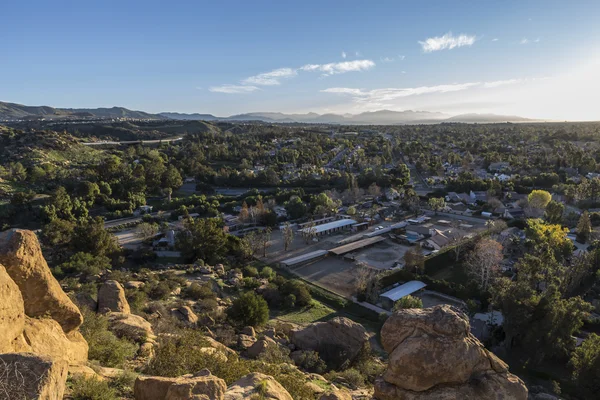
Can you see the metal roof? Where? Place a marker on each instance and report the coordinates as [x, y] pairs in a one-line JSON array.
[[304, 257], [347, 248], [330, 225], [403, 290]]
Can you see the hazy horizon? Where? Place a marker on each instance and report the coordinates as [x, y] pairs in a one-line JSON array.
[[535, 60]]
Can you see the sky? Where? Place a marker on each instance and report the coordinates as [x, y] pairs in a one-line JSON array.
[[537, 59]]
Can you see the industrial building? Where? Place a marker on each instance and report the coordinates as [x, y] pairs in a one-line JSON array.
[[329, 227]]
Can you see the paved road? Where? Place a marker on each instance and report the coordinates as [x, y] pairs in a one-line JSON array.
[[104, 142], [122, 221]]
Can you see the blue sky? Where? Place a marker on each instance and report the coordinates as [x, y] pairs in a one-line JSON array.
[[532, 58]]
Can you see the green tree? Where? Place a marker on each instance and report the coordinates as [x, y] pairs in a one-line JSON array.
[[86, 264], [249, 310], [408, 302], [542, 236], [295, 207], [203, 239], [91, 237], [288, 235], [436, 203], [585, 361], [554, 212], [18, 172], [539, 199], [584, 228]]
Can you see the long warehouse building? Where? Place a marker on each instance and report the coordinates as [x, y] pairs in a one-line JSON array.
[[330, 227]]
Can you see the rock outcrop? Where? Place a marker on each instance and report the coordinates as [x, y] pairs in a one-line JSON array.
[[256, 385], [111, 297], [433, 355], [21, 255], [130, 326], [200, 386], [336, 340], [31, 376], [12, 312], [185, 314]]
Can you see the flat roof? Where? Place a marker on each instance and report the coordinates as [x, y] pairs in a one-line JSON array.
[[401, 291], [304, 257], [347, 248], [331, 225]]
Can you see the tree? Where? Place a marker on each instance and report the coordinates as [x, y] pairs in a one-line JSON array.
[[288, 235], [85, 263], [537, 201], [408, 302], [366, 283], [295, 207], [91, 237], [436, 204], [171, 179], [249, 310], [203, 239], [265, 238], [374, 190], [484, 261], [554, 212], [585, 361], [414, 259], [322, 204], [244, 214], [542, 236], [18, 172], [146, 230], [584, 228], [309, 232]]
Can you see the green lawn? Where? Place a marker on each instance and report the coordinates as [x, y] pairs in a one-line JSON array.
[[317, 312]]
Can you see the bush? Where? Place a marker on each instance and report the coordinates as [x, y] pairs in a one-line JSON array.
[[159, 290], [198, 291], [104, 346], [351, 376], [298, 289], [250, 271], [311, 362], [268, 273], [137, 300], [408, 302], [249, 309], [92, 389], [289, 301]]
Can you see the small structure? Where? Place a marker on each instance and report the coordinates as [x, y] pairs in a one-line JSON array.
[[143, 210], [329, 227], [389, 298], [304, 258], [347, 248]]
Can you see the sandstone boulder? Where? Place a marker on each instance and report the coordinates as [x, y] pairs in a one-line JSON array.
[[245, 342], [258, 385], [31, 376], [111, 297], [21, 255], [134, 285], [249, 330], [185, 314], [260, 346], [188, 387], [85, 300], [45, 337], [130, 326], [336, 340], [12, 312], [432, 355], [336, 395], [219, 346]]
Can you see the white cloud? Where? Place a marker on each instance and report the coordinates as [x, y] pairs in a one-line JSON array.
[[229, 89], [493, 84], [387, 94], [524, 41], [344, 55], [357, 53], [339, 68], [494, 39], [446, 42], [387, 59], [537, 40], [270, 78], [401, 58]]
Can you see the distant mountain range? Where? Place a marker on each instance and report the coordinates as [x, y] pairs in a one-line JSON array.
[[12, 111]]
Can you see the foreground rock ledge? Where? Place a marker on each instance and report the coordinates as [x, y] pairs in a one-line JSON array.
[[31, 376], [432, 355]]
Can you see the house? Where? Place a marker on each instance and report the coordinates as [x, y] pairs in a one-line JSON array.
[[438, 240], [502, 177], [514, 213], [167, 242], [389, 298], [481, 196], [142, 210]]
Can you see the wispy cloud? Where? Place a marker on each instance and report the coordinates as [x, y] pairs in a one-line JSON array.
[[270, 78], [339, 68], [401, 58], [344, 55], [537, 40], [387, 59], [493, 84], [446, 42], [524, 41], [494, 39], [229, 89]]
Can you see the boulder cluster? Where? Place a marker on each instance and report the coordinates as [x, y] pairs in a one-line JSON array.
[[39, 336], [433, 355]]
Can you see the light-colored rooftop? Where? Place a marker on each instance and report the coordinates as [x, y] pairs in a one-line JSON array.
[[330, 225], [304, 257], [401, 291], [347, 248]]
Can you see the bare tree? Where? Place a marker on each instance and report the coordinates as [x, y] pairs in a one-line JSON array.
[[288, 235], [146, 230], [484, 261], [414, 259], [309, 232], [366, 282], [254, 241], [265, 238]]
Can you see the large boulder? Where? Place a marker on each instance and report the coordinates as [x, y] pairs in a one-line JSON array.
[[336, 395], [45, 337], [336, 340], [130, 326], [12, 312], [188, 387], [257, 385], [111, 297], [21, 254], [260, 346], [433, 355], [185, 314], [31, 376]]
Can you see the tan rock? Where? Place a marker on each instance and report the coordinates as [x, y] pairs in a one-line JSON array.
[[21, 255], [85, 300], [83, 371], [257, 384], [260, 347], [134, 285], [12, 312], [336, 395], [32, 376], [45, 337], [130, 326], [111, 297], [185, 314], [245, 341], [249, 330], [432, 355], [336, 340], [189, 387]]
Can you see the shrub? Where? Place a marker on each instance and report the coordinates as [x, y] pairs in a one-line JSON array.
[[250, 271], [408, 302], [289, 301], [159, 290], [298, 289], [104, 346], [86, 264], [311, 362], [268, 273], [249, 309], [137, 300], [351, 376], [198, 291], [92, 389]]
